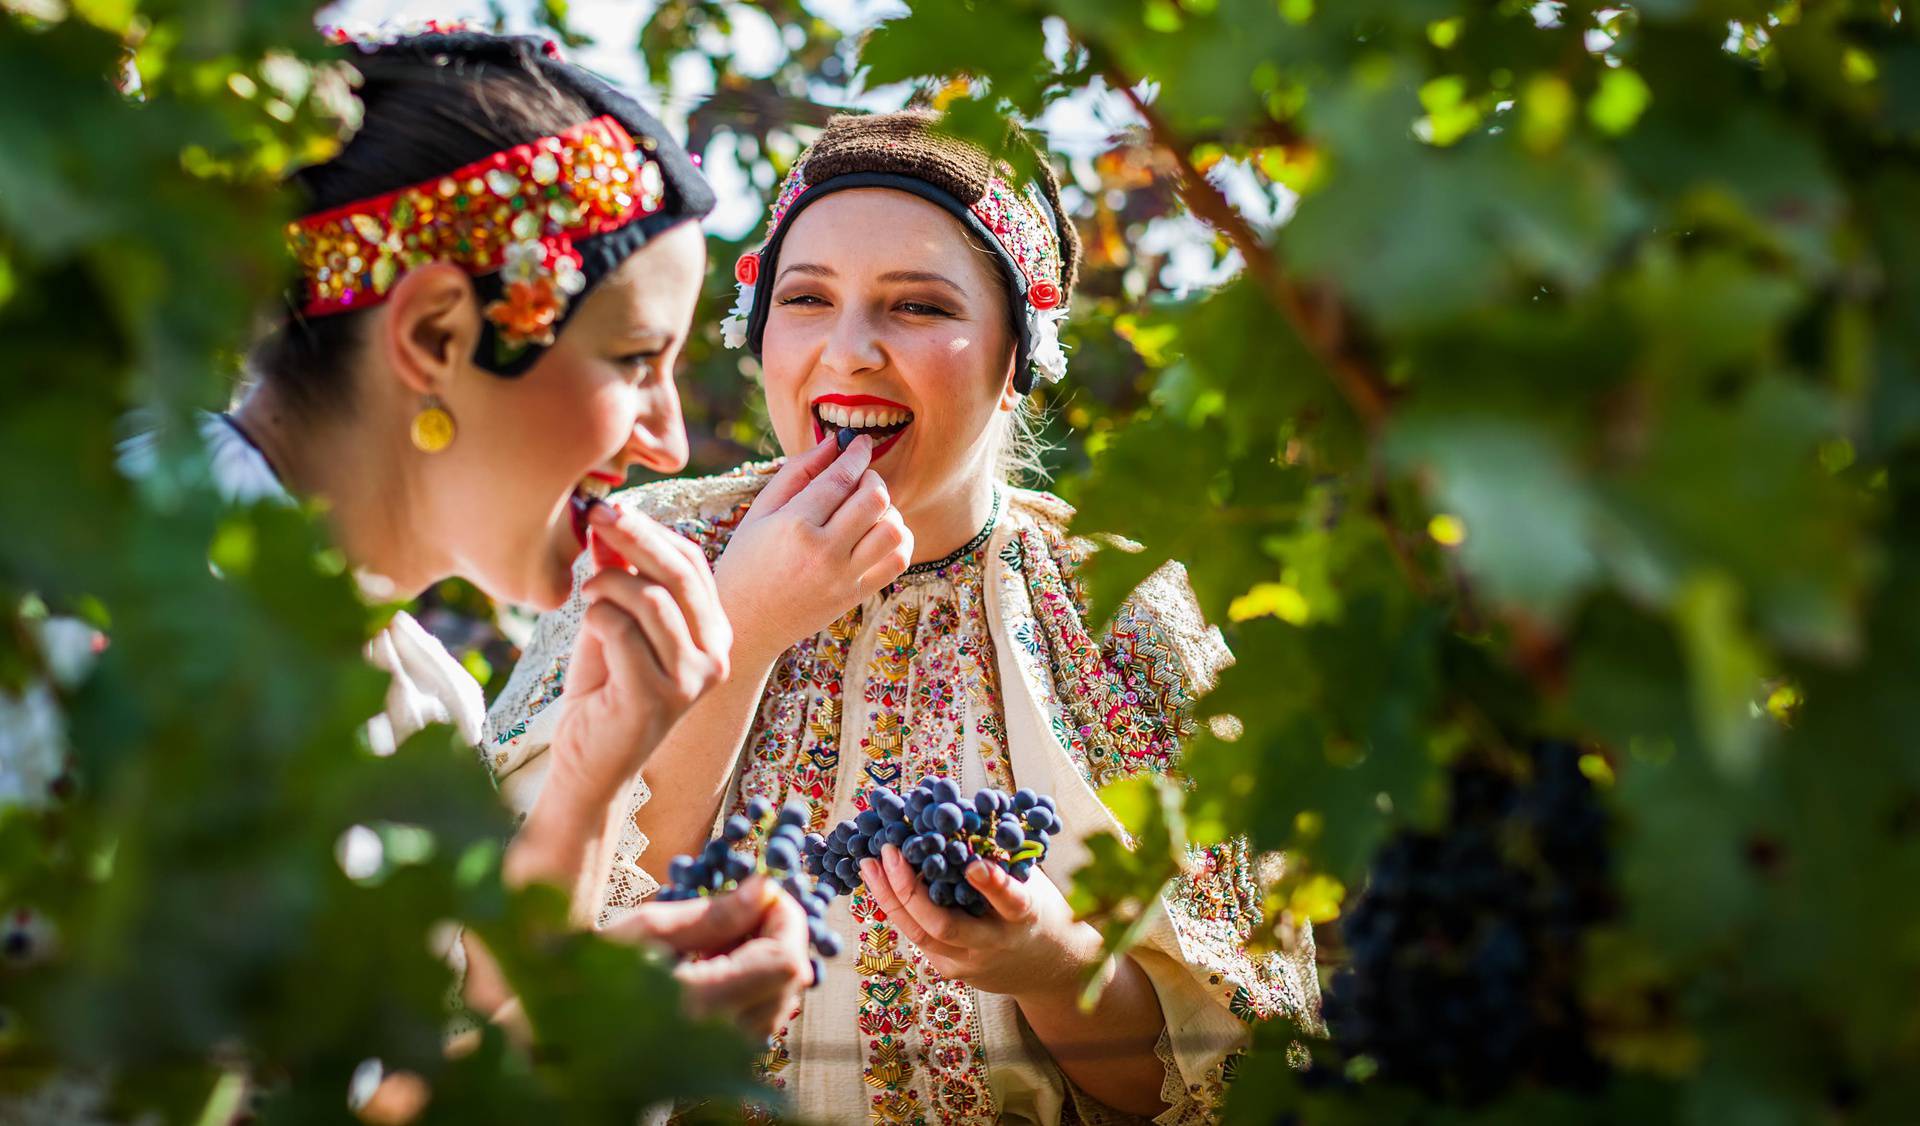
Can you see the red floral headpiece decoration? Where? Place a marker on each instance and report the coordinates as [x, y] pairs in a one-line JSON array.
[[520, 211]]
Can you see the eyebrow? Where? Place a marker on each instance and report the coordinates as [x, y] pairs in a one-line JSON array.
[[646, 335], [821, 271], [922, 276]]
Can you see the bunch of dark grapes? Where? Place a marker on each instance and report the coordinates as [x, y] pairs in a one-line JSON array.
[[722, 866], [939, 833], [1465, 946]]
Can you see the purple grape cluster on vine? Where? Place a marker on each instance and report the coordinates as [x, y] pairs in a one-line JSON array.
[[1466, 945]]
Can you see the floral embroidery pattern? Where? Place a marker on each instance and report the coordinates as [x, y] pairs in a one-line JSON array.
[[521, 209], [551, 687]]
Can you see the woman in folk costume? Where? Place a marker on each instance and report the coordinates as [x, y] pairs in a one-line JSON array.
[[495, 277], [910, 290]]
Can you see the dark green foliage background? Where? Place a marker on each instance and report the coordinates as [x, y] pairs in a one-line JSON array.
[[1627, 296]]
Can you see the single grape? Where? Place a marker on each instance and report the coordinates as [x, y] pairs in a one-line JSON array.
[[1009, 836], [758, 808], [946, 819]]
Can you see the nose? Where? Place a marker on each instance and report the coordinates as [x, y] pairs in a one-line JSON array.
[[659, 439], [853, 344]]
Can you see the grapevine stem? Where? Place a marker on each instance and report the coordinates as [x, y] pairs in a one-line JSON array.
[[1363, 390]]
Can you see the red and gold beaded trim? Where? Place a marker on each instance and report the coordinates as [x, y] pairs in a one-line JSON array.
[[1017, 219], [520, 211]]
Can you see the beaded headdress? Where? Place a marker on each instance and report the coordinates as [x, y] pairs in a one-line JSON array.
[[905, 151], [536, 224]]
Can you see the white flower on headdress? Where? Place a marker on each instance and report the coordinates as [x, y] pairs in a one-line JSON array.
[[1043, 328], [524, 260], [733, 330]]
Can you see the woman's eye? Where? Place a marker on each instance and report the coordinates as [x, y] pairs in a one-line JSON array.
[[801, 299], [638, 360], [922, 309]]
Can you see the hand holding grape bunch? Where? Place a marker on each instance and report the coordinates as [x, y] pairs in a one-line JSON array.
[[940, 832], [958, 877], [721, 868]]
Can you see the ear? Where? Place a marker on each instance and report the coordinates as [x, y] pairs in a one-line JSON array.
[[1009, 397], [431, 328]]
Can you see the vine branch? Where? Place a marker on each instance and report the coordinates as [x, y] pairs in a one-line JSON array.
[[1365, 392]]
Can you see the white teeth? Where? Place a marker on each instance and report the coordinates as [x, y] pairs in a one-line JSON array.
[[861, 418], [594, 487]]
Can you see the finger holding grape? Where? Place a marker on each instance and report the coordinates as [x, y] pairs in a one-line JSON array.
[[826, 515]]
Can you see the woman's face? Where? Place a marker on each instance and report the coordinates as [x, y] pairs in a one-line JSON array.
[[884, 317], [601, 399]]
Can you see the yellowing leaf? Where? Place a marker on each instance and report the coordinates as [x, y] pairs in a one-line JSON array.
[[1317, 898], [1447, 530], [1276, 599], [1450, 115], [1619, 102], [1546, 108]]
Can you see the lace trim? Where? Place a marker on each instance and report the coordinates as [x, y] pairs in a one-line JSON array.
[[626, 885], [1184, 1106]]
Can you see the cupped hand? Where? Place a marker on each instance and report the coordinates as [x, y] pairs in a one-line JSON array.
[[820, 537], [1028, 945], [745, 953]]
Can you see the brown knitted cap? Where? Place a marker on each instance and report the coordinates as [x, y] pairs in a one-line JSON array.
[[910, 143]]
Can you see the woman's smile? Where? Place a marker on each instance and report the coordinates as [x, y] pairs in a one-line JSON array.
[[883, 420]]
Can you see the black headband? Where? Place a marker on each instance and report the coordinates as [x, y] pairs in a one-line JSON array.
[[1010, 271]]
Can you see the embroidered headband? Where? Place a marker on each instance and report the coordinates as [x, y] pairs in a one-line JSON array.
[[903, 151], [519, 210], [536, 224]]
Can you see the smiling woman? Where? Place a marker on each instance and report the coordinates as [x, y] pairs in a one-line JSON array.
[[902, 611], [492, 282]]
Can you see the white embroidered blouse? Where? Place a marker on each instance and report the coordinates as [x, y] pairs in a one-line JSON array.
[[976, 668]]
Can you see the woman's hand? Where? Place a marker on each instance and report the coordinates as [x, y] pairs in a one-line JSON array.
[[654, 640], [1027, 946], [746, 950], [821, 536]]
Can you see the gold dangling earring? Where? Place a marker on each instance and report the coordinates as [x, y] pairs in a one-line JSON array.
[[432, 427]]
